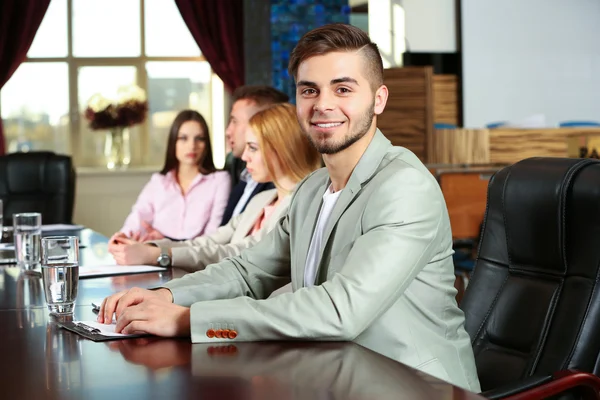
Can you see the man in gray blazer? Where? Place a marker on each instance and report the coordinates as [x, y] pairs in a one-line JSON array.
[[366, 242]]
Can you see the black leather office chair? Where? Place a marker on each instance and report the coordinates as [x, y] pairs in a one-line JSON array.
[[532, 307], [41, 182]]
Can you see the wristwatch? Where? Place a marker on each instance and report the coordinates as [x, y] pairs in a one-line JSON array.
[[164, 260]]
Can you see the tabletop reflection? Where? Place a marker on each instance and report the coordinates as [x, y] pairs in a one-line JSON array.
[[288, 370], [62, 356], [154, 353]]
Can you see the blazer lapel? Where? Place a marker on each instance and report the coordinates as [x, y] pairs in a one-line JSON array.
[[308, 227], [251, 215], [346, 196], [366, 167]]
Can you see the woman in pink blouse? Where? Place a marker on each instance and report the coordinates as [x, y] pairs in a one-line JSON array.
[[188, 197], [276, 151]]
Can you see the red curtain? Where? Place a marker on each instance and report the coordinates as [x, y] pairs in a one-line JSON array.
[[19, 21], [217, 26]]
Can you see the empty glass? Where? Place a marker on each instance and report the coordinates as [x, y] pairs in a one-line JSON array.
[[60, 272], [27, 231]]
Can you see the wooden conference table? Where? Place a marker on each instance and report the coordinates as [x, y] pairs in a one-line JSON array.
[[39, 360]]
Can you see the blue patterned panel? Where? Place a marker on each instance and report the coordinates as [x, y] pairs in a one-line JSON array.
[[290, 19]]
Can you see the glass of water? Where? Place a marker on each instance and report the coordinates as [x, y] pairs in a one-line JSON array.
[[60, 272], [27, 231]]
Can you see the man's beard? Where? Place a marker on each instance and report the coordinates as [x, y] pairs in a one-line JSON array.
[[363, 126]]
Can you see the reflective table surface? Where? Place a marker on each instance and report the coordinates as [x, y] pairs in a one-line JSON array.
[[40, 360]]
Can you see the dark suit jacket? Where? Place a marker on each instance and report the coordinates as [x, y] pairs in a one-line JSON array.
[[234, 166], [236, 194]]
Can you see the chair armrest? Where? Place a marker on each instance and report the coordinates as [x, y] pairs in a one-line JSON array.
[[562, 381], [512, 389]]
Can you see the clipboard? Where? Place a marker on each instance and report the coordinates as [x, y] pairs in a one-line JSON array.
[[93, 333]]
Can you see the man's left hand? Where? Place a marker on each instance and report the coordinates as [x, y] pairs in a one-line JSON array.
[[155, 317]]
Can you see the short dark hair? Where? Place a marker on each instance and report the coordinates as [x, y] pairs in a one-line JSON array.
[[261, 95], [206, 164], [338, 37]]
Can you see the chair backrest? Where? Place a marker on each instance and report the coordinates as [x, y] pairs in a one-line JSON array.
[[41, 182], [532, 306]]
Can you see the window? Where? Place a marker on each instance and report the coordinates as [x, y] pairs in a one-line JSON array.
[[84, 47]]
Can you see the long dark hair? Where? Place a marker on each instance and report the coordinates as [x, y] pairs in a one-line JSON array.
[[205, 164]]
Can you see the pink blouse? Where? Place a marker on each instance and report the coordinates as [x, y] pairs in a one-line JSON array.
[[179, 216]]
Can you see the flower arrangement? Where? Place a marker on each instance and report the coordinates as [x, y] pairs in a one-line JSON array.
[[130, 108]]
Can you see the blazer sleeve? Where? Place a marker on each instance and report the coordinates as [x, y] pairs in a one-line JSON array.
[[195, 254], [220, 201], [256, 272], [400, 222], [222, 235], [143, 209], [209, 250]]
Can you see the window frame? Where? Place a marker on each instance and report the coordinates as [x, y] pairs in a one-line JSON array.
[[75, 63]]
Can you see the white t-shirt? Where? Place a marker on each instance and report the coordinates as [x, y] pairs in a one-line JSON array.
[[316, 243]]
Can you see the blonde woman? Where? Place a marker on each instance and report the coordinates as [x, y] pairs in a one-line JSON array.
[[276, 150]]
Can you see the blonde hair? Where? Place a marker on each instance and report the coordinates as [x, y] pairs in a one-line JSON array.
[[280, 136]]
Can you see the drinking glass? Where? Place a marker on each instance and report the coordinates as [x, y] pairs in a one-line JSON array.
[[27, 231], [60, 272]]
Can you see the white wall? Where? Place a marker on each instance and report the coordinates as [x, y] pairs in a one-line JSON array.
[[523, 57], [103, 199], [430, 25]]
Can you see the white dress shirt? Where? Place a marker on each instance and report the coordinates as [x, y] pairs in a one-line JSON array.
[[248, 189]]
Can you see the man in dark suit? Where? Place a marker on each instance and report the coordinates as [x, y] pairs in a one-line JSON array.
[[247, 101]]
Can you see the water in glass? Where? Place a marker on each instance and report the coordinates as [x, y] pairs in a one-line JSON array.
[[27, 246], [60, 272], [60, 286]]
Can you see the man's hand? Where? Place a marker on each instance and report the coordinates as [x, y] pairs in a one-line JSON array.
[[154, 316], [118, 302], [135, 254]]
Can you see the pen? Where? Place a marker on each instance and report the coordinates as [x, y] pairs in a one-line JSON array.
[[87, 328], [95, 308]]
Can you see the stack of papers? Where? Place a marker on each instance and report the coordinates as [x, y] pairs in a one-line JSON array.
[[95, 331], [61, 227], [106, 330], [111, 270]]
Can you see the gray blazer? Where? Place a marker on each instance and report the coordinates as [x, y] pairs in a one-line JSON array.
[[385, 279], [230, 239]]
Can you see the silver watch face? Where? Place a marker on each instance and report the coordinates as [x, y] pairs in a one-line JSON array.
[[164, 260]]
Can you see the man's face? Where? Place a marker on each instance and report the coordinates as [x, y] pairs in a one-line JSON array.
[[241, 112], [335, 102]]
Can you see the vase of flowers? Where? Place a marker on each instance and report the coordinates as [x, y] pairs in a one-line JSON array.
[[114, 117]]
